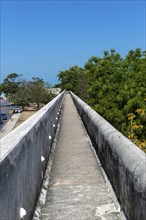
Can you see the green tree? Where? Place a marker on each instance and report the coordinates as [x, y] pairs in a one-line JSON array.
[[22, 92], [74, 79], [10, 84], [38, 93], [22, 95], [114, 87]]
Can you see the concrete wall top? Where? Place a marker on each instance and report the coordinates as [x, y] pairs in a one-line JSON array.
[[15, 136], [123, 162], [21, 165]]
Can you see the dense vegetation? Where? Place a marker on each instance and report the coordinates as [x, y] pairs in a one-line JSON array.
[[116, 88], [22, 92]]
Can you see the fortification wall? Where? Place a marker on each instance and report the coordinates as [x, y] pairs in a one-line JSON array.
[[123, 162], [24, 154]]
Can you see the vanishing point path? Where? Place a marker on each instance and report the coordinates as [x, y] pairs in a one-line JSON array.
[[78, 190]]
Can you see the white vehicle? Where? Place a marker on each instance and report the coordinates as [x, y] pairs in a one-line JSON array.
[[17, 110]]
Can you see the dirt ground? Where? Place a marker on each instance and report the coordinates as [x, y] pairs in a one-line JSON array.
[[24, 116]]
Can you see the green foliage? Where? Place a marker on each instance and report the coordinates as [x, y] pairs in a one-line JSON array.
[[10, 84], [74, 79], [22, 92], [113, 86], [38, 92], [1, 89], [22, 95]]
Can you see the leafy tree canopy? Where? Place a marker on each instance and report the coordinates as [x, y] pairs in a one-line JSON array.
[[114, 87], [22, 92]]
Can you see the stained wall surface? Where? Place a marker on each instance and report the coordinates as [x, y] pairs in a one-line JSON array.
[[24, 154], [123, 162]]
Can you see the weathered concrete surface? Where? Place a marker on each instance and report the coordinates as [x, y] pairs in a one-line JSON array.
[[21, 164], [123, 162], [9, 125], [77, 189]]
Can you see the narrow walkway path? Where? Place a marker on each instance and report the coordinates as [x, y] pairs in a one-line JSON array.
[[77, 189]]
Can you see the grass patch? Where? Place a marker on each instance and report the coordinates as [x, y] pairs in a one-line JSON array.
[[23, 117]]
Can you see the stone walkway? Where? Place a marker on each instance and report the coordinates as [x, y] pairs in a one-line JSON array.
[[77, 188]]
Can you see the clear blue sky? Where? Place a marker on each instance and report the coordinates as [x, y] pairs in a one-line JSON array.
[[41, 38]]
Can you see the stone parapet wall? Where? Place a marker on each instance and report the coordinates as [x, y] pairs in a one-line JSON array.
[[24, 154], [123, 162]]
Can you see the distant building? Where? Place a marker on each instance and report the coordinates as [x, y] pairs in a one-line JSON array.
[[54, 91], [2, 96]]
